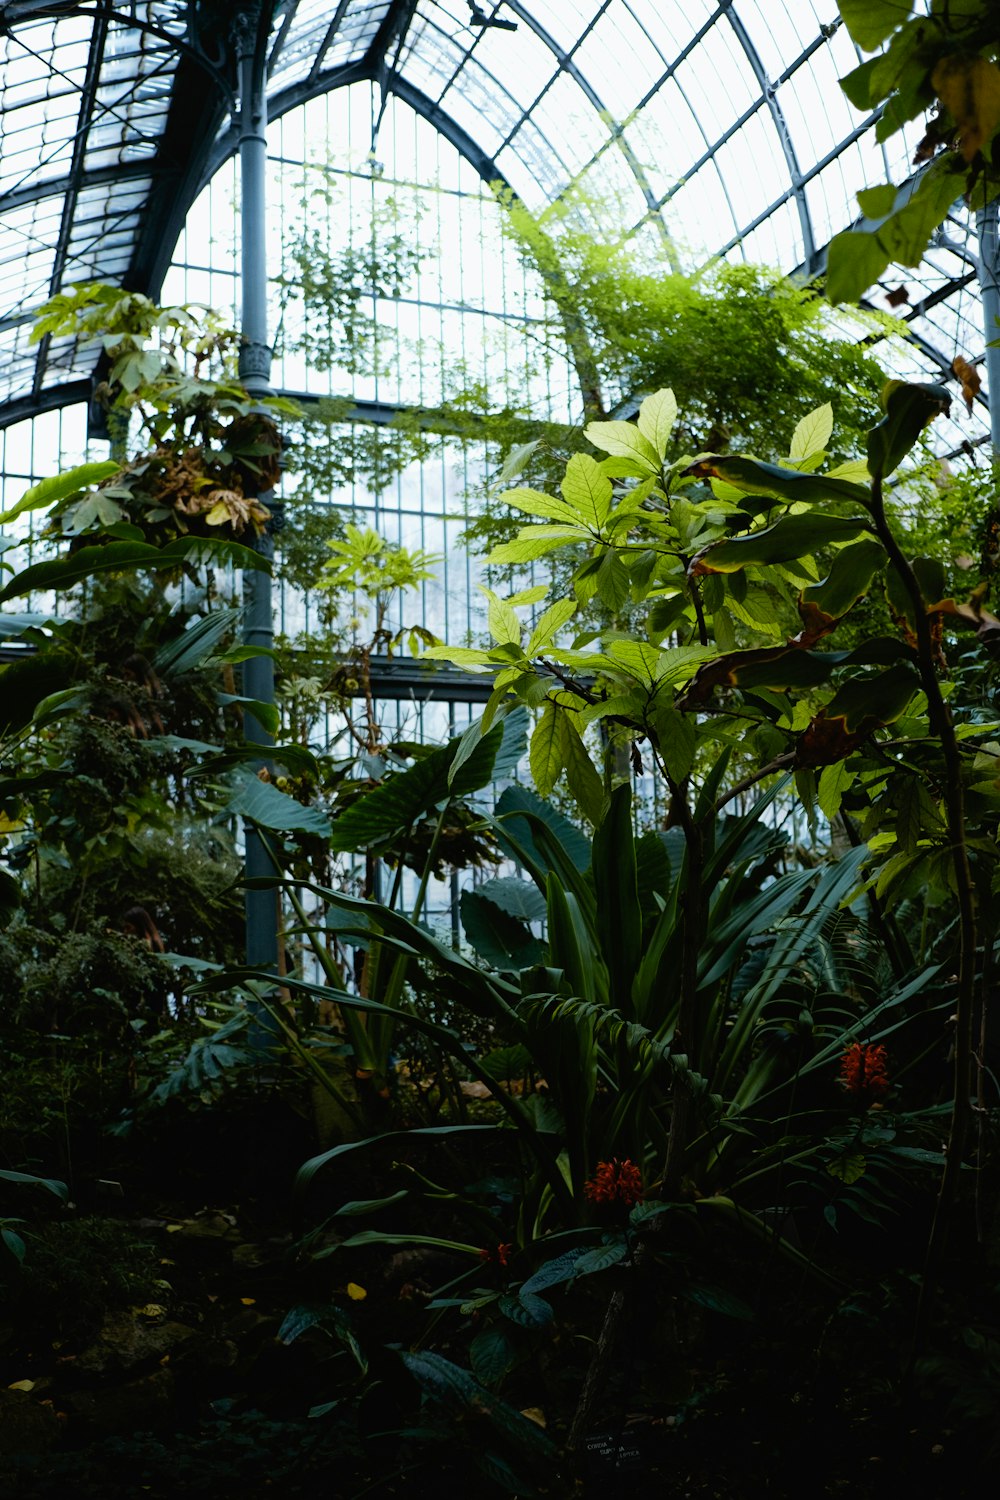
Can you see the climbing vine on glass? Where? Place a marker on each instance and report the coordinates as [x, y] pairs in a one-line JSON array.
[[944, 65]]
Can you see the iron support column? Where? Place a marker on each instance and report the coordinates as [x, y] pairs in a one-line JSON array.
[[255, 372], [988, 224]]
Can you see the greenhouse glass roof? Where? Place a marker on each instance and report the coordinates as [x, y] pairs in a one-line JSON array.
[[715, 126]]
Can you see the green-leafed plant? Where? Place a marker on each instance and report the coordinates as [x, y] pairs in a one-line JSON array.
[[727, 580], [943, 63]]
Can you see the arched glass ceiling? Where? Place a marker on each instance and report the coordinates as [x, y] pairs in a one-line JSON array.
[[716, 126]]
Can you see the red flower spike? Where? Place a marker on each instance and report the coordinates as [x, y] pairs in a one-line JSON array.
[[500, 1256], [863, 1072], [615, 1182]]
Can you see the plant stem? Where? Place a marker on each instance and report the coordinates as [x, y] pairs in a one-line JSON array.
[[954, 801]]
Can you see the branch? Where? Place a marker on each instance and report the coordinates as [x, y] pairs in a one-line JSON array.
[[781, 762]]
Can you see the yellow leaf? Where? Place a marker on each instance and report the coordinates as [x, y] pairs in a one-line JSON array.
[[534, 1414], [151, 1310], [21, 1385], [969, 89], [248, 1301], [355, 1292], [847, 1168], [218, 514], [174, 1228]]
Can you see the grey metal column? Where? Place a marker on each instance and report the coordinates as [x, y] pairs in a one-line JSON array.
[[988, 224], [255, 373]]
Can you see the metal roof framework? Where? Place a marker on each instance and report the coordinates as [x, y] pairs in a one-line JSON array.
[[716, 125]]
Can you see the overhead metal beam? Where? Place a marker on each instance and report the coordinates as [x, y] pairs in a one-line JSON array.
[[88, 95], [37, 190], [781, 129], [568, 66]]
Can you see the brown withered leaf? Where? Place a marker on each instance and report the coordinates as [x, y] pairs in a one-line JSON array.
[[985, 624], [969, 89], [898, 296], [968, 377], [826, 741]]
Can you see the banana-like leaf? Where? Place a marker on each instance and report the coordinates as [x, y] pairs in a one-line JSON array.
[[309, 1169], [619, 915], [60, 486], [27, 1179], [117, 557], [193, 647]]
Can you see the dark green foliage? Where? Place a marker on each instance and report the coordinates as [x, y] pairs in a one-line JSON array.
[[76, 1271]]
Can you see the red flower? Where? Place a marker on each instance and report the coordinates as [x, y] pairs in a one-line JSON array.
[[500, 1256], [863, 1072], [615, 1182]]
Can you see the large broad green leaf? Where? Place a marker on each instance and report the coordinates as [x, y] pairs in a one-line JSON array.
[[266, 714], [857, 258], [548, 752], [908, 409], [657, 416], [624, 440], [677, 734], [60, 486], [533, 542], [550, 623], [619, 916], [813, 433], [460, 1393], [493, 1352], [535, 503], [11, 625], [788, 539], [501, 940], [878, 202], [269, 807], [585, 785], [849, 577], [873, 700], [588, 490], [872, 22], [854, 262], [401, 800], [527, 837], [26, 1179], [751, 477], [905, 233], [519, 898], [295, 759], [309, 1169]]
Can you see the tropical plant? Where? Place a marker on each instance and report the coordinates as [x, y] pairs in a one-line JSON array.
[[717, 557]]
